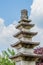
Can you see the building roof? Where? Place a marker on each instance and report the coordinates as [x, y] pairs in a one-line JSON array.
[[25, 42], [26, 55]]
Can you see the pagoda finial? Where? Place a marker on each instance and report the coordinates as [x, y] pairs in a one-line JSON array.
[[24, 14]]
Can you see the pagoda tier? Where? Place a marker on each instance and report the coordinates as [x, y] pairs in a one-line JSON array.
[[24, 20], [26, 44], [25, 57], [24, 25], [26, 34], [24, 16]]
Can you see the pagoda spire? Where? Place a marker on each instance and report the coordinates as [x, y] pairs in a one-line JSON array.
[[24, 14], [25, 46]]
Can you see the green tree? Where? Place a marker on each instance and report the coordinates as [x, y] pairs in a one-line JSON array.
[[8, 52], [4, 59]]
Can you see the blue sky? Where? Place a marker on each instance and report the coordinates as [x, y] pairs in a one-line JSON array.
[[10, 9], [10, 14]]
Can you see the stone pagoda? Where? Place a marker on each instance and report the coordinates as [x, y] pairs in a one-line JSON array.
[[25, 47]]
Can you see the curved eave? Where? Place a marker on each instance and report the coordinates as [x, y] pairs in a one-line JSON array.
[[25, 20], [26, 55], [25, 32], [26, 42], [25, 23]]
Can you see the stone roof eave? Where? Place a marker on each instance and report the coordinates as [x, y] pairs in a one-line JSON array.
[[24, 23], [25, 32], [26, 55], [25, 20], [25, 42]]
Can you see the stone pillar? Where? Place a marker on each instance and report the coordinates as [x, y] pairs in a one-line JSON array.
[[25, 63]]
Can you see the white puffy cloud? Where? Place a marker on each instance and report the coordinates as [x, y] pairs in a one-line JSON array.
[[1, 21], [37, 12], [6, 35], [37, 17], [39, 36]]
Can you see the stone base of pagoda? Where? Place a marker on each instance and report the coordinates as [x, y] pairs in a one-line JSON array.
[[25, 63]]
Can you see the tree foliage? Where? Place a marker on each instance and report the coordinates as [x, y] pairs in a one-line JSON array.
[[8, 52], [4, 59]]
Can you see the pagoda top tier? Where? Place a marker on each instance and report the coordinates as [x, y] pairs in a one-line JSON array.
[[24, 14]]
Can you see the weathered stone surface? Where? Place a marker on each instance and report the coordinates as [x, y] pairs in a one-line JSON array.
[[24, 14], [25, 63]]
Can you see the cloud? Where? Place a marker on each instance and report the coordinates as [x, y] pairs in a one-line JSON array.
[[37, 12], [1, 21], [37, 18], [39, 36], [6, 34]]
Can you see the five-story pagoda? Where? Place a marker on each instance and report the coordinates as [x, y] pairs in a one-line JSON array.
[[25, 46]]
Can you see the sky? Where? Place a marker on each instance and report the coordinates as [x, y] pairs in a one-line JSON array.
[[10, 15], [10, 9]]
